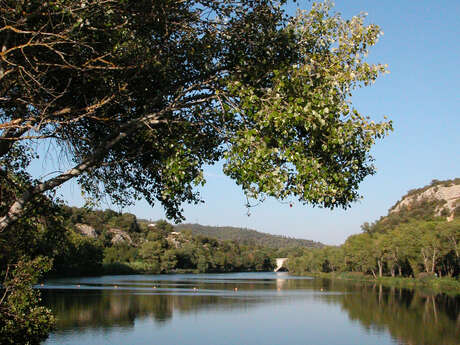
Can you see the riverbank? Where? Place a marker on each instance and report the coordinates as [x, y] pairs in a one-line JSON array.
[[139, 267], [438, 285]]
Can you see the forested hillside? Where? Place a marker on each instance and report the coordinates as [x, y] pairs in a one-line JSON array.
[[247, 236], [419, 236], [97, 242]]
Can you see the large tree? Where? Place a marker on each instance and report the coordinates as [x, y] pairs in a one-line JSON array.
[[139, 95]]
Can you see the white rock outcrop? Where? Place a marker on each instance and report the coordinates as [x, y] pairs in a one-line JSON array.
[[119, 236], [451, 194], [86, 230]]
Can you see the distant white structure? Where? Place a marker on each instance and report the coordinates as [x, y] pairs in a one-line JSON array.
[[280, 264]]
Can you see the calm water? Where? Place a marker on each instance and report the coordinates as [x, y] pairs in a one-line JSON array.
[[245, 308]]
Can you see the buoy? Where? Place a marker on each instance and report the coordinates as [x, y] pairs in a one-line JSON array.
[[42, 284], [236, 289]]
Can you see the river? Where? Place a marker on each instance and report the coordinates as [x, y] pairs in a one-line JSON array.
[[245, 308]]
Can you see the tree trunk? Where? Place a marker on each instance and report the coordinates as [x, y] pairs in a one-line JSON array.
[[425, 262], [18, 208], [379, 262], [433, 261]]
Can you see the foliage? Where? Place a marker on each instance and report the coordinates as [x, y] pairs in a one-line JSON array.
[[175, 251], [135, 97], [22, 321], [120, 253], [80, 256], [101, 220], [300, 135], [411, 242], [419, 208], [42, 237], [140, 95], [41, 233], [408, 249], [246, 236], [159, 248], [422, 210]]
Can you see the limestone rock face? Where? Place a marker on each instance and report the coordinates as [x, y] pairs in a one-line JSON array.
[[86, 230], [175, 238], [450, 194], [119, 236]]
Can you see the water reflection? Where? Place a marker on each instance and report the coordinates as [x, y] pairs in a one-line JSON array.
[[108, 303], [413, 317]]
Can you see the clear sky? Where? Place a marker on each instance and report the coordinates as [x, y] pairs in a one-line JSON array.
[[421, 45]]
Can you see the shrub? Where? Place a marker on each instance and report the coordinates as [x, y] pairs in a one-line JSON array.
[[22, 320]]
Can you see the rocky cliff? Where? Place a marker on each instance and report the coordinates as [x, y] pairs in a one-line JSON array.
[[117, 236], [442, 196]]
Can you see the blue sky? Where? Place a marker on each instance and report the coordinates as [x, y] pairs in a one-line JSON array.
[[421, 45]]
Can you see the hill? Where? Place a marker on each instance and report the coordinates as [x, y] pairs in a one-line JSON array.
[[443, 195], [440, 200], [418, 238], [246, 236]]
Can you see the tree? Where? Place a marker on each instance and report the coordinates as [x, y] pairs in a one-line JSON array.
[[409, 237], [162, 230], [432, 245], [360, 253], [140, 95], [379, 251], [450, 233], [335, 257], [168, 260], [390, 246], [22, 321]]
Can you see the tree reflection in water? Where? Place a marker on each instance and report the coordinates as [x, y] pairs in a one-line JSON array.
[[413, 317]]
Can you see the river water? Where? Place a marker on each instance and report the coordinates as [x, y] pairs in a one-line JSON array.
[[245, 308]]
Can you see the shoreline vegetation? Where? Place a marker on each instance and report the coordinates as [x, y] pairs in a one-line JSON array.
[[432, 284], [446, 285], [417, 244], [141, 268], [413, 247]]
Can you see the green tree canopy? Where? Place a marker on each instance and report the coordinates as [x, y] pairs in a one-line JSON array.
[[140, 95]]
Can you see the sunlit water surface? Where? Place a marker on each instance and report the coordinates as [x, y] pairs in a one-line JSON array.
[[245, 308]]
